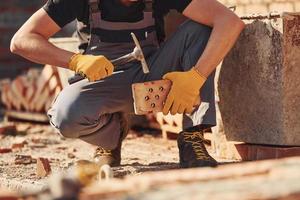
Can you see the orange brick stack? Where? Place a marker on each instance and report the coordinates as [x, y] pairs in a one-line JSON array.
[[33, 92]]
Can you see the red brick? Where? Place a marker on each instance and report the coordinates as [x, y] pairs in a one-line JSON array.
[[43, 167], [249, 152], [18, 145], [8, 129], [5, 150]]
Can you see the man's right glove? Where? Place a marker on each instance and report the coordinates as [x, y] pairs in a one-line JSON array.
[[92, 67]]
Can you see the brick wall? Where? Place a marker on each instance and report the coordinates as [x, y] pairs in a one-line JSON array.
[[13, 13], [247, 7]]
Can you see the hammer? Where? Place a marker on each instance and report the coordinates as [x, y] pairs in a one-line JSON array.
[[137, 54]]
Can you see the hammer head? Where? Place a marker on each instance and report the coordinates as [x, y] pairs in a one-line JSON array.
[[139, 55]]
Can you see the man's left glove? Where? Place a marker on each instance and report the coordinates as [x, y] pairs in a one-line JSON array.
[[184, 92], [92, 67]]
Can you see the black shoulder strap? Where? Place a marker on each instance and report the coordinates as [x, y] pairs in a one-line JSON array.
[[94, 5], [148, 5]]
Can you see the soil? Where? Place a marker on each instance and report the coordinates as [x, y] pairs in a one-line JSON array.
[[141, 152]]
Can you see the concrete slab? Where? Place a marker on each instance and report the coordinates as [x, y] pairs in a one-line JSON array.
[[259, 84]]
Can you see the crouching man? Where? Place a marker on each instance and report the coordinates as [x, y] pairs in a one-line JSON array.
[[94, 110]]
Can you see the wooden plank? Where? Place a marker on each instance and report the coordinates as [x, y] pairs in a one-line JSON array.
[[42, 100], [4, 96], [42, 83], [28, 116], [51, 98], [275, 179], [169, 123], [19, 89]]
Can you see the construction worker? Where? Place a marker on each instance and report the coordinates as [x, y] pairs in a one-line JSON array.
[[95, 109]]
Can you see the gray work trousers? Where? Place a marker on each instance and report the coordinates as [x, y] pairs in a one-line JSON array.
[[88, 110]]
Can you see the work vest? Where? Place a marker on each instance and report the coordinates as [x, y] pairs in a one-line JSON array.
[[113, 39]]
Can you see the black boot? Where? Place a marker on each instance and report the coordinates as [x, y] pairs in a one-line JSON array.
[[192, 151]]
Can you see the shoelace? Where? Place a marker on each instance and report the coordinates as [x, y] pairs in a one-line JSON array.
[[102, 152], [196, 139]]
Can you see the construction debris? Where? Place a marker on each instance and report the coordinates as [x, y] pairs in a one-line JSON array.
[[5, 150], [24, 160], [33, 92], [43, 167], [8, 129], [19, 145], [71, 155], [276, 179]]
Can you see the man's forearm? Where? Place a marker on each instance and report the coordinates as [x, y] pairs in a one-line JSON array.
[[37, 49], [223, 36], [226, 27]]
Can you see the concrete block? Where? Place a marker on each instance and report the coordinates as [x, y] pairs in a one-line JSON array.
[[259, 84]]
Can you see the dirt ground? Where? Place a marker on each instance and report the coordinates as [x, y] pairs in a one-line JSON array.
[[141, 152]]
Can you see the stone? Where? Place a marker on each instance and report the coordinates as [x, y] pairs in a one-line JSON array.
[[24, 160], [43, 167], [259, 84], [71, 155]]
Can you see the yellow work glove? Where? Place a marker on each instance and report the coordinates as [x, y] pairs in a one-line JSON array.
[[184, 92], [92, 67]]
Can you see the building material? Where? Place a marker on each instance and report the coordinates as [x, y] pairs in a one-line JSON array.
[[259, 84], [275, 179], [5, 150], [150, 96], [24, 160], [43, 167], [29, 116], [8, 129], [169, 124]]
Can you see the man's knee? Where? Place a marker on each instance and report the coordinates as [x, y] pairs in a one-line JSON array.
[[70, 114], [195, 29], [66, 121]]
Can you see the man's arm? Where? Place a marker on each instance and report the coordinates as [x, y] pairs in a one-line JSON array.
[[226, 27], [31, 41]]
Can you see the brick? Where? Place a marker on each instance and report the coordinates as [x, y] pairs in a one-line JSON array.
[[18, 145], [149, 96], [5, 150], [43, 167], [8, 129], [24, 160]]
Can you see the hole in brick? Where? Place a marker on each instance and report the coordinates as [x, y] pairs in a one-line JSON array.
[[150, 89], [152, 105], [156, 96], [147, 98], [161, 89]]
